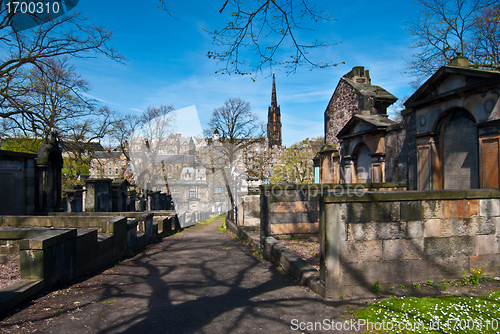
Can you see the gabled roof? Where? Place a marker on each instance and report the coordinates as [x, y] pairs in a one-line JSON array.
[[359, 124], [441, 85], [73, 146], [120, 182], [367, 89], [107, 155]]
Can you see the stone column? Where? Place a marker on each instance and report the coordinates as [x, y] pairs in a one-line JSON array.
[[331, 226]]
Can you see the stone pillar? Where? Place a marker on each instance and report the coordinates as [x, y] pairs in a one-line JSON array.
[[349, 170], [265, 213], [331, 232], [378, 168]]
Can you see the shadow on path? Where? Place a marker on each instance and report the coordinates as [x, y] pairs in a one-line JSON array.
[[197, 281]]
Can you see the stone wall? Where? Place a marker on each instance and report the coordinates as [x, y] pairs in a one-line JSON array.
[[59, 248], [293, 210], [342, 106], [406, 237]]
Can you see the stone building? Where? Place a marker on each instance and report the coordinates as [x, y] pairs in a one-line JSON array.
[[354, 95], [448, 138], [453, 128], [108, 164]]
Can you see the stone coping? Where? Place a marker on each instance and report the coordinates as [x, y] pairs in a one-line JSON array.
[[128, 214], [17, 154], [334, 186], [18, 292], [410, 195], [14, 233], [45, 240]]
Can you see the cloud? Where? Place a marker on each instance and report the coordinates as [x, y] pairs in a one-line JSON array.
[[100, 100]]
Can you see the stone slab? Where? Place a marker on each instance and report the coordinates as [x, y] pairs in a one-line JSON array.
[[444, 247], [436, 269], [376, 231], [366, 273], [488, 244], [295, 228], [361, 251], [403, 249], [47, 239], [465, 208]]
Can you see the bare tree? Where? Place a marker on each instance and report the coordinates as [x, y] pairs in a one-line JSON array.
[[231, 130], [265, 33], [156, 124], [447, 28], [486, 49], [296, 164], [69, 35], [52, 99]]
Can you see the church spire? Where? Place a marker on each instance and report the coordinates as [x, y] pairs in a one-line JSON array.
[[274, 101], [274, 119]]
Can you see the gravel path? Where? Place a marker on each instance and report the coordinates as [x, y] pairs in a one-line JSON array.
[[197, 281]]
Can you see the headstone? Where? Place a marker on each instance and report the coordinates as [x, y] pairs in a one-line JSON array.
[[98, 195], [460, 154], [17, 183]]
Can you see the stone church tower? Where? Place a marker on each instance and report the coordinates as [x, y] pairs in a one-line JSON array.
[[274, 120]]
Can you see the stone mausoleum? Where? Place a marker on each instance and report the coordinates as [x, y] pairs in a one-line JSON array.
[[448, 138]]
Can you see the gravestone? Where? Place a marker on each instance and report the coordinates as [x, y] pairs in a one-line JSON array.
[[120, 195], [460, 154], [17, 183], [98, 195]]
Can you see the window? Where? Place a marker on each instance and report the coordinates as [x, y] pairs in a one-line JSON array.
[[218, 189], [175, 191], [192, 192]]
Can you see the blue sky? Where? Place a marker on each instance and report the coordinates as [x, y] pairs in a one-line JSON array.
[[168, 63]]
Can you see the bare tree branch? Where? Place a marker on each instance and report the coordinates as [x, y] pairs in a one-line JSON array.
[[447, 28], [68, 35]]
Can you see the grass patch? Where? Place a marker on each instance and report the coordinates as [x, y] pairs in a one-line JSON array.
[[222, 226], [208, 221], [450, 314]]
